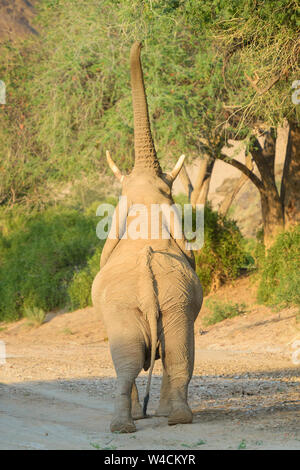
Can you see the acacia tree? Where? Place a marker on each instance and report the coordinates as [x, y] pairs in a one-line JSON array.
[[268, 44], [240, 81], [214, 71], [259, 47]]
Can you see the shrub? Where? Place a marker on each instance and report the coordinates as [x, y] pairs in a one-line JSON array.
[[279, 271], [79, 290], [221, 311], [35, 316], [223, 256], [39, 254]]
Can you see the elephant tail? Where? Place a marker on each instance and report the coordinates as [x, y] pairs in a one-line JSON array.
[[150, 308]]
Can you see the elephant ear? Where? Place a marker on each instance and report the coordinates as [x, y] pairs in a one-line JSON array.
[[189, 254], [117, 230], [180, 240]]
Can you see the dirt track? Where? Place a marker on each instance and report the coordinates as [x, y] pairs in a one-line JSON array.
[[57, 386]]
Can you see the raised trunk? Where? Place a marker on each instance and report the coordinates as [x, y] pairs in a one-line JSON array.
[[145, 154]]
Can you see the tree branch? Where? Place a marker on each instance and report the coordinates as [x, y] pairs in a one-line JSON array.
[[228, 200], [286, 167], [272, 82], [186, 181], [243, 168]]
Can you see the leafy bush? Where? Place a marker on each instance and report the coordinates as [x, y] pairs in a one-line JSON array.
[[39, 254], [279, 271], [80, 288], [223, 256], [221, 311], [35, 316]]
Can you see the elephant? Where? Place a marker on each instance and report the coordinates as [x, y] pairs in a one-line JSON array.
[[147, 290]]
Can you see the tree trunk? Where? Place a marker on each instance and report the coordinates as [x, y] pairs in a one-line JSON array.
[[198, 194], [290, 188], [279, 212], [199, 181], [272, 215], [206, 183], [204, 192], [271, 204], [201, 188]]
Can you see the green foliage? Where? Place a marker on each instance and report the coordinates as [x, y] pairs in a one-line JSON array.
[[222, 310], [80, 288], [181, 199], [35, 316], [261, 60], [69, 97], [39, 253], [223, 256], [279, 271]]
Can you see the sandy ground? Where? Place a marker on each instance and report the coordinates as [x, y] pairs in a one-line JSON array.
[[57, 385]]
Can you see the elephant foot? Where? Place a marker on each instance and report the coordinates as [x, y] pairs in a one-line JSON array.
[[180, 415], [137, 412], [122, 425], [163, 410]]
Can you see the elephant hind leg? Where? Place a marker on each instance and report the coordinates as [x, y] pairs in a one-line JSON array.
[[178, 362], [180, 411], [128, 357], [164, 407], [136, 407]]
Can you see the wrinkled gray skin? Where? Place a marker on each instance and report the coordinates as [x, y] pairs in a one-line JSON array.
[[147, 290]]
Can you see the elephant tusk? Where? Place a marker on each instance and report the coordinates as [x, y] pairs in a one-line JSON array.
[[173, 174], [114, 167]]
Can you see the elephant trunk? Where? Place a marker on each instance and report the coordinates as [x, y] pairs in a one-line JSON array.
[[145, 154]]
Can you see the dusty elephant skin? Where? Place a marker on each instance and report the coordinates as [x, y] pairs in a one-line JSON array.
[[147, 290]]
